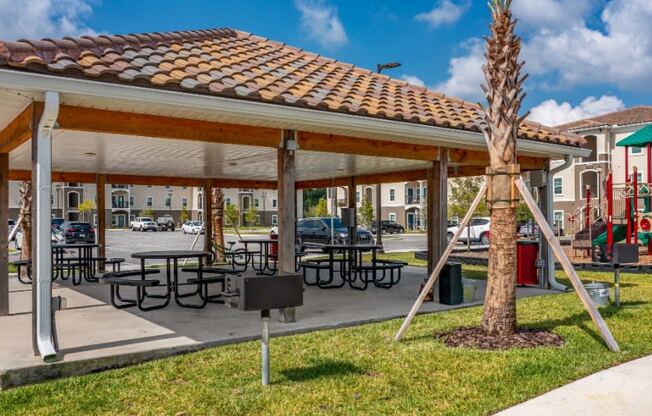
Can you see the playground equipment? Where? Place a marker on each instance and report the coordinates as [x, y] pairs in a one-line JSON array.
[[629, 204]]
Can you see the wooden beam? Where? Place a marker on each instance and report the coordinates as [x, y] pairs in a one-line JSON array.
[[82, 177], [437, 215], [101, 218], [371, 179], [333, 143], [146, 125], [287, 205], [208, 215], [4, 234], [18, 131]]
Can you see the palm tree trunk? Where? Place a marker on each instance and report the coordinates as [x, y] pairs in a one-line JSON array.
[[26, 223], [503, 90], [218, 223]]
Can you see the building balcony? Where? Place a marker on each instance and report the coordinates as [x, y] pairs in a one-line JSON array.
[[412, 200], [123, 187], [120, 205]]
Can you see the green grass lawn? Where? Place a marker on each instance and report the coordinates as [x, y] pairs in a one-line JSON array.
[[360, 370]]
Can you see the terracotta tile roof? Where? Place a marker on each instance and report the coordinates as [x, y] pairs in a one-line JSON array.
[[229, 63], [629, 116]]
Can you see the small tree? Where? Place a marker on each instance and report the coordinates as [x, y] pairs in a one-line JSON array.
[[320, 209], [366, 213], [87, 207], [251, 216], [184, 216], [232, 217], [148, 212], [26, 223], [463, 192]]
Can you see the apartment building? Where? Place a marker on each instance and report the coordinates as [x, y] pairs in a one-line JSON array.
[[402, 202], [125, 202], [602, 133]]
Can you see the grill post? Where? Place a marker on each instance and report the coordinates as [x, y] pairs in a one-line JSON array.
[[264, 346]]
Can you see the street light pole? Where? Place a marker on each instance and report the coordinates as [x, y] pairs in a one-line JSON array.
[[379, 208]]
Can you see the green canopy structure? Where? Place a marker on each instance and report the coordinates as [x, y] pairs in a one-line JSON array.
[[641, 138]]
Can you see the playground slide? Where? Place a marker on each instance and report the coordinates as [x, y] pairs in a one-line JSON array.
[[620, 232]]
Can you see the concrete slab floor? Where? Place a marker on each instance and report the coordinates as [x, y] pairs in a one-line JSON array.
[[93, 335]]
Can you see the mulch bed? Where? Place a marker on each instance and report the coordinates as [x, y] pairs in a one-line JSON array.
[[477, 338]]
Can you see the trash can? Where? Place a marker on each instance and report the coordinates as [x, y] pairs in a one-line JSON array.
[[450, 284], [599, 293], [527, 253], [273, 247]]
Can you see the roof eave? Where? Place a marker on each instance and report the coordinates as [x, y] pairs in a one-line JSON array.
[[273, 113]]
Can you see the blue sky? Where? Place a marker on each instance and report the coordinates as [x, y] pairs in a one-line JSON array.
[[585, 57]]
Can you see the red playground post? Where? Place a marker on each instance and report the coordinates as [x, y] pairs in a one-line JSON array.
[[635, 219], [610, 213], [587, 218], [628, 206]]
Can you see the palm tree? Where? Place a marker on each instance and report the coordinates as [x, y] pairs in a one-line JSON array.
[[504, 95], [218, 222]]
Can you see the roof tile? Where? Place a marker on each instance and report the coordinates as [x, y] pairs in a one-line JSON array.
[[229, 63]]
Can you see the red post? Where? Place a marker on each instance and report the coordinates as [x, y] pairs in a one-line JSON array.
[[635, 219], [587, 218], [628, 204], [610, 213]]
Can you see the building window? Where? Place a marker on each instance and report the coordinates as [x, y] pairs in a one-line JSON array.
[[274, 203], [149, 186], [52, 199], [274, 219], [639, 177], [168, 201], [73, 200], [184, 202], [131, 201], [392, 195], [149, 201], [558, 219], [227, 201], [392, 217], [256, 202], [357, 197], [94, 220], [558, 186], [635, 150]]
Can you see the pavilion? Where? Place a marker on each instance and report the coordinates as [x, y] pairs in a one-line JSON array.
[[224, 108]]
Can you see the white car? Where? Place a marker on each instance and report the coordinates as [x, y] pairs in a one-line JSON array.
[[192, 227], [478, 231], [143, 224], [57, 238]]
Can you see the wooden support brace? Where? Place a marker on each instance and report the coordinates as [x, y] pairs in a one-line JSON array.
[[568, 267]]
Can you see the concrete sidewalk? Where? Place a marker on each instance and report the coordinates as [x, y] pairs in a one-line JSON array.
[[621, 390]]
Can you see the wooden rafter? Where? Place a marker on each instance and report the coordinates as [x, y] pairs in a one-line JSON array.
[[18, 131]]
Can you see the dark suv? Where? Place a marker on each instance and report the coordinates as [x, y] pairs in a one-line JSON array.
[[388, 227], [317, 232], [77, 232]]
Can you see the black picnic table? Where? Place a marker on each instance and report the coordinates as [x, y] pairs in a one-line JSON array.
[[172, 258], [84, 262], [264, 244], [351, 258]]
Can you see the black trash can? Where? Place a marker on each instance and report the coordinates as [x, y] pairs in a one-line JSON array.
[[451, 290]]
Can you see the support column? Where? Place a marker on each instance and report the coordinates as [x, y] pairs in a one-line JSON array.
[[208, 215], [352, 203], [437, 211], [379, 217], [287, 203], [4, 234], [100, 185], [43, 329]]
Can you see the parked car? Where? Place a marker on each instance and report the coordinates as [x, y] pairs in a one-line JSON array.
[[165, 223], [57, 238], [77, 232], [317, 232], [388, 227], [56, 222], [143, 224], [192, 227], [477, 231], [12, 224]]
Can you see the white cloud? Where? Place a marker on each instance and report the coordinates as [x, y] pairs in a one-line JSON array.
[[33, 19], [445, 12], [322, 23], [619, 52], [414, 80], [552, 113], [552, 13], [466, 75]]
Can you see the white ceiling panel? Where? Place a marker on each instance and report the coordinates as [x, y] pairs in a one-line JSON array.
[[117, 154]]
